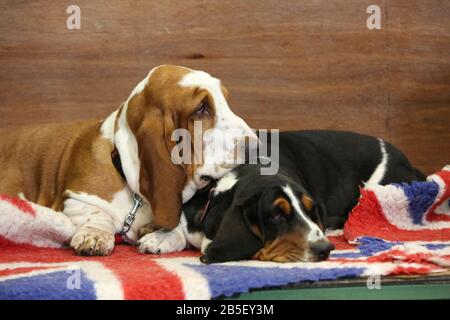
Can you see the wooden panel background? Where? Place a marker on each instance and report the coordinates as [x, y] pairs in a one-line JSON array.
[[288, 64]]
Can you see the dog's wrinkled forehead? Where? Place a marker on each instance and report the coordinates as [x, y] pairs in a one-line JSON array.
[[162, 85], [172, 83], [200, 79], [167, 76], [217, 92]]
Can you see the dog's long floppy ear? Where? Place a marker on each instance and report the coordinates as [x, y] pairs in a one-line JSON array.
[[235, 239], [161, 181]]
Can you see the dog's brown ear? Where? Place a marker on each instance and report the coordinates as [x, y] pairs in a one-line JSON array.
[[161, 181]]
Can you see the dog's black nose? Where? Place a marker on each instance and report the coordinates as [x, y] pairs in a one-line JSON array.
[[321, 249]]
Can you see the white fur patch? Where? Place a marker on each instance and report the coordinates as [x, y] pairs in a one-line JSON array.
[[159, 242], [193, 238], [173, 241], [226, 183], [380, 170], [189, 190], [108, 127], [220, 142], [126, 142], [205, 244], [162, 241], [84, 209]]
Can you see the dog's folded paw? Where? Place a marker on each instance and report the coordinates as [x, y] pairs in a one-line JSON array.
[[92, 242], [161, 241]]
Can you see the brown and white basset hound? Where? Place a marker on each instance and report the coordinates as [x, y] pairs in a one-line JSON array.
[[68, 166]]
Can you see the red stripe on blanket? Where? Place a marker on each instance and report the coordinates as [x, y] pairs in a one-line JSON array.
[[340, 243], [15, 252], [9, 272], [141, 277], [144, 278], [20, 204], [400, 270]]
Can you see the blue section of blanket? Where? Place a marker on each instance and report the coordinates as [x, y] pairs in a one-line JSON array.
[[55, 285], [226, 280], [421, 196], [367, 247]]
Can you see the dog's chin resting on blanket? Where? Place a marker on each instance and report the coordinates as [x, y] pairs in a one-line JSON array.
[[282, 217]]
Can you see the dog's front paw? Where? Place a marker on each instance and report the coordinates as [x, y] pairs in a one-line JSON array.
[[146, 229], [161, 241], [92, 242]]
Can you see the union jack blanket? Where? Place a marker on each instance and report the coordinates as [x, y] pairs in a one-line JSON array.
[[394, 229]]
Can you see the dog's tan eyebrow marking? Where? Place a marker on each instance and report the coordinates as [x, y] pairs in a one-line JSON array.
[[307, 202], [283, 204]]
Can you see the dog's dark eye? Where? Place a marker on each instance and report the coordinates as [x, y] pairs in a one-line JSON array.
[[202, 109], [277, 214]]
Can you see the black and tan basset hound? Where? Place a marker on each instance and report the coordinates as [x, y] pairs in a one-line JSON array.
[[282, 217]]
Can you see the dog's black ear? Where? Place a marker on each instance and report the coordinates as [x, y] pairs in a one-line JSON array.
[[236, 239]]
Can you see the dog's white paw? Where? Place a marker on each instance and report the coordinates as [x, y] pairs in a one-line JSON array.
[[162, 242], [92, 242]]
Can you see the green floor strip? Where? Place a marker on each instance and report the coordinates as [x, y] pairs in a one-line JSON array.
[[390, 292]]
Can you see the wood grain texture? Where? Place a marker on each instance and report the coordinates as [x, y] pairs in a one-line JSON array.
[[287, 64]]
